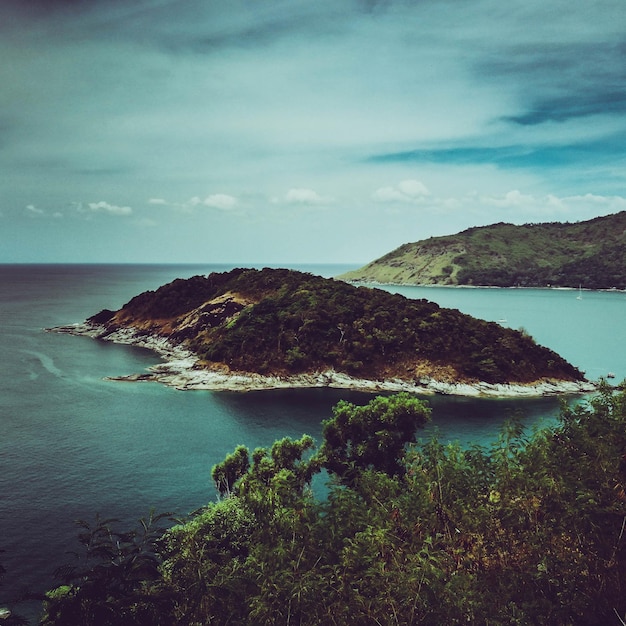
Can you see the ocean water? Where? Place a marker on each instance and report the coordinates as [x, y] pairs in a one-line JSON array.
[[73, 445]]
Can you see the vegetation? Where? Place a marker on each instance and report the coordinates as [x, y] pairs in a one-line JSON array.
[[528, 531], [591, 254], [284, 322], [9, 616]]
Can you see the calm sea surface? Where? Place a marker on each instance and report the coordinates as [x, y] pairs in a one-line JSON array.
[[73, 445]]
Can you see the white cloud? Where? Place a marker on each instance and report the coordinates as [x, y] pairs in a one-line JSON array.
[[220, 201], [105, 207], [305, 196], [523, 207], [615, 203], [146, 222], [514, 205], [413, 188], [159, 201], [410, 190], [555, 202], [32, 210], [511, 199]]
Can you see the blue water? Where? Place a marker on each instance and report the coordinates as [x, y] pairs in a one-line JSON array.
[[73, 444]]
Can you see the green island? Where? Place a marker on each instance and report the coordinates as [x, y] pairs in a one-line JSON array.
[[283, 327], [527, 531], [589, 254]]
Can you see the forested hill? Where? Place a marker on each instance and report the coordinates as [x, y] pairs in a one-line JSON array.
[[286, 322], [591, 254]]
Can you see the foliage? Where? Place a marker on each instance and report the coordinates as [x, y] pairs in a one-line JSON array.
[[528, 531], [372, 436], [233, 467], [8, 614], [590, 253], [114, 580], [298, 322], [179, 296]]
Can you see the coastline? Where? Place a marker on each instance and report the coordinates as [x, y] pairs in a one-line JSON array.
[[181, 369], [374, 283]]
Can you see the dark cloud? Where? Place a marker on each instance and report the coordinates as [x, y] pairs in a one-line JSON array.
[[259, 33], [105, 171], [12, 11], [573, 106], [559, 82], [241, 101], [605, 149]]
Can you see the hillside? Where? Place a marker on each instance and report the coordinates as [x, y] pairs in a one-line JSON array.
[[282, 322], [591, 254]]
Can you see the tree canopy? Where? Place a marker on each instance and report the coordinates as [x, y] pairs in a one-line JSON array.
[[530, 530], [284, 322]]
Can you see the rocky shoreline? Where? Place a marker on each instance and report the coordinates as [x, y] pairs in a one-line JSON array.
[[181, 369]]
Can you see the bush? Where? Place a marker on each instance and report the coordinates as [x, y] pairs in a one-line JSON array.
[[528, 531]]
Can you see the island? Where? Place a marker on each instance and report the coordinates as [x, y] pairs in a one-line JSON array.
[[588, 255], [275, 328]]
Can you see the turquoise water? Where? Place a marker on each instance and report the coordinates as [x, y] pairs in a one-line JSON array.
[[589, 332], [73, 444]]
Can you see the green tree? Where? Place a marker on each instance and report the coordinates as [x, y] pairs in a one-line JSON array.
[[373, 436], [230, 470], [112, 581], [531, 530], [8, 615]]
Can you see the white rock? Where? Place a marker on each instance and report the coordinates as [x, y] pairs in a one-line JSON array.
[[180, 369]]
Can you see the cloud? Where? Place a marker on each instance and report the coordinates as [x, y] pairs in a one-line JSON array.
[[221, 201], [523, 207], [146, 222], [513, 200], [384, 104], [563, 79], [604, 203], [412, 191], [32, 210], [531, 155], [305, 196], [106, 208], [513, 205]]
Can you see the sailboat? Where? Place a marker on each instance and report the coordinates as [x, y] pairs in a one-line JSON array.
[[580, 293]]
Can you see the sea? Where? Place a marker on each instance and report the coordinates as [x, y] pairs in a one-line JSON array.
[[74, 445]]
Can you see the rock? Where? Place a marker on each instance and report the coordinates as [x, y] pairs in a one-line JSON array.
[[181, 369]]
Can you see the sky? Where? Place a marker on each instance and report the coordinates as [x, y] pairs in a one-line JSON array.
[[292, 131]]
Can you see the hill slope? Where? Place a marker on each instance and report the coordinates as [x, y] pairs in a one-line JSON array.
[[282, 322], [591, 254]]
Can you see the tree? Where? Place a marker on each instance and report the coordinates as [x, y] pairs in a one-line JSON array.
[[8, 615], [230, 470], [373, 436], [531, 530], [114, 579]]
